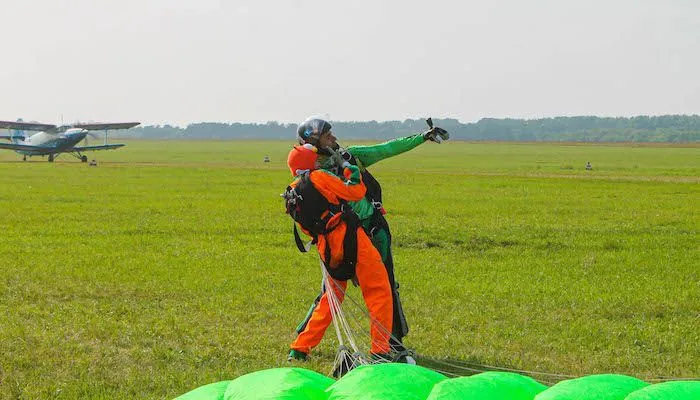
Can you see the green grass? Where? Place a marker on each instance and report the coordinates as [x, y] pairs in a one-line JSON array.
[[171, 264]]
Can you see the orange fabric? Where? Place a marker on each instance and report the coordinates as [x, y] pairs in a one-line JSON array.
[[334, 189], [321, 318], [371, 274], [374, 284], [301, 158]]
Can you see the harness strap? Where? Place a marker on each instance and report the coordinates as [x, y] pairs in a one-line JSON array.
[[298, 241], [346, 269], [377, 223]]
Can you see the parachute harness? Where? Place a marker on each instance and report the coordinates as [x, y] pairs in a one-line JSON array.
[[313, 212]]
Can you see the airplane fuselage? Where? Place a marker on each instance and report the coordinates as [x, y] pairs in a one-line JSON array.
[[51, 143], [52, 140]]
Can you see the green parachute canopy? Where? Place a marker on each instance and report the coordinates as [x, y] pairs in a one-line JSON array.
[[412, 382], [678, 390], [487, 386], [212, 391], [593, 387], [385, 381], [269, 384]]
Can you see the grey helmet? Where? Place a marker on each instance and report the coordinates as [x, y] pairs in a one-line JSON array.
[[311, 130]]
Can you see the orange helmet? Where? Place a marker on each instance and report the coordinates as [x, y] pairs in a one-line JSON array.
[[302, 158]]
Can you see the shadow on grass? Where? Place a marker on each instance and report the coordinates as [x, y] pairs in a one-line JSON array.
[[476, 243]]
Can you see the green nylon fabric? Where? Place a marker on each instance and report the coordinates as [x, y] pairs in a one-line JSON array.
[[212, 391], [371, 154], [380, 240], [678, 390], [593, 387], [279, 384], [385, 381], [368, 155], [411, 382], [364, 209], [487, 386]]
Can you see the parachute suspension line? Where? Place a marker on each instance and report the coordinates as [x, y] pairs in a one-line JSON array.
[[348, 356], [341, 324], [350, 353], [347, 324], [363, 311], [373, 322], [464, 368], [474, 368]]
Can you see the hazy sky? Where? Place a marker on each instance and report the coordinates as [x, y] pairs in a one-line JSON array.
[[182, 61]]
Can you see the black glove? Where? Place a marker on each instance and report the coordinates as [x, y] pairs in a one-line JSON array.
[[436, 135]]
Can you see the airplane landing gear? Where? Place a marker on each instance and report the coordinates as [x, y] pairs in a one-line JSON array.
[[24, 158], [50, 157], [83, 159]]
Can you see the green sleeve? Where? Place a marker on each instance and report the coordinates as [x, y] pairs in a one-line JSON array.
[[368, 155]]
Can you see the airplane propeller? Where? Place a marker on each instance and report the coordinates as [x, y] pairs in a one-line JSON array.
[[92, 135]]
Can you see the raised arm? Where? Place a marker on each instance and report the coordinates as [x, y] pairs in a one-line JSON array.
[[368, 155]]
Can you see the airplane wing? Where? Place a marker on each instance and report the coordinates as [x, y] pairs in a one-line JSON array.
[[27, 126], [103, 126], [102, 147], [13, 146], [20, 137], [49, 150]]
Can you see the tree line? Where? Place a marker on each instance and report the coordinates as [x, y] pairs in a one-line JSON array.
[[665, 128]]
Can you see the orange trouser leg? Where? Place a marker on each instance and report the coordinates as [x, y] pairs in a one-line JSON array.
[[321, 318], [374, 284], [375, 287]]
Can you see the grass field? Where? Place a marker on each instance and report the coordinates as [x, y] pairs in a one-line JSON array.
[[171, 264]]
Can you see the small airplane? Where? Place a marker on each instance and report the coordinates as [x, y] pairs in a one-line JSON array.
[[53, 140]]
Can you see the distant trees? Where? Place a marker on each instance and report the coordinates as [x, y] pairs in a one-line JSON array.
[[665, 128]]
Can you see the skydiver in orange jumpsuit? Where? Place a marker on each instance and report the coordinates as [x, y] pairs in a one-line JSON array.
[[316, 199]]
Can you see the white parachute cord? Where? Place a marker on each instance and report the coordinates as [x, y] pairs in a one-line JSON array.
[[347, 328], [547, 377], [348, 356], [330, 295], [339, 320], [374, 322], [453, 368], [342, 361], [340, 356], [352, 320], [343, 320]]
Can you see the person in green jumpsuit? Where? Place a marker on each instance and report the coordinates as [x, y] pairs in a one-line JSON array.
[[370, 209]]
